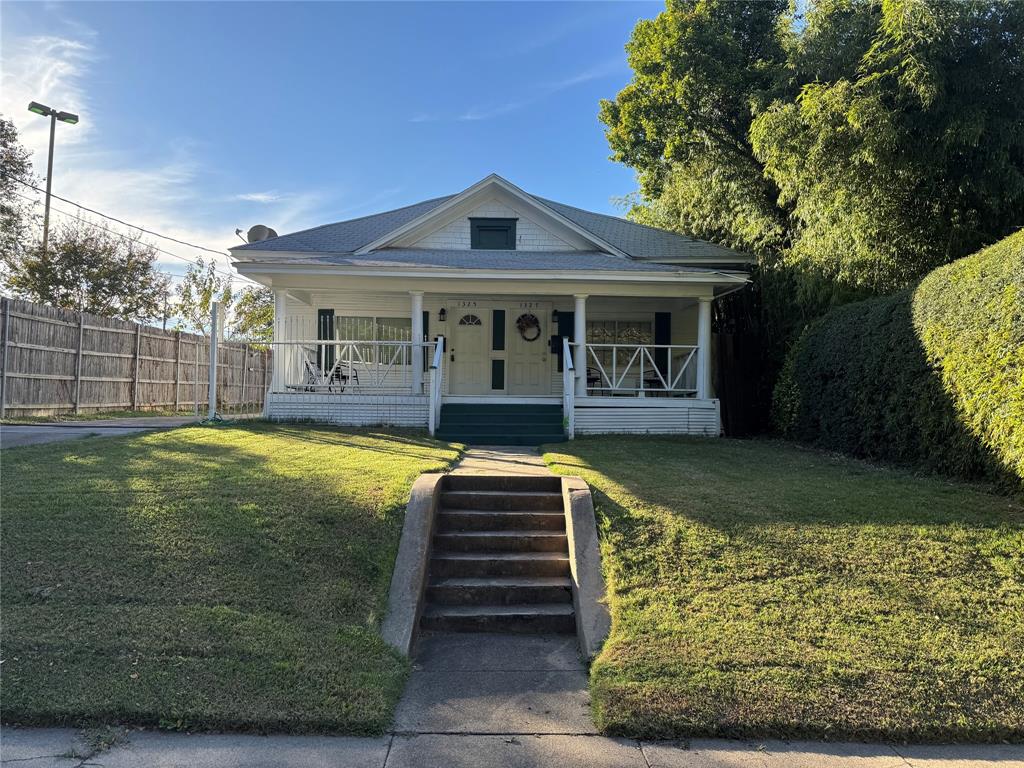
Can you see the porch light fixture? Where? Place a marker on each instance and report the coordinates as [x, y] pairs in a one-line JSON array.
[[442, 314], [554, 315]]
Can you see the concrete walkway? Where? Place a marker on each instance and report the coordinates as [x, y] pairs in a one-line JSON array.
[[16, 435], [501, 460]]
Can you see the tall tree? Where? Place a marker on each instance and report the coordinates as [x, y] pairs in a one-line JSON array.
[[15, 212], [858, 145], [201, 286], [92, 270]]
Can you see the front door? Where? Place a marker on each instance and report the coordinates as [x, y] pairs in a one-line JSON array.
[[468, 353], [529, 355]]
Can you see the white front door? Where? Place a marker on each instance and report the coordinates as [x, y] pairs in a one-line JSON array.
[[529, 355], [469, 357]]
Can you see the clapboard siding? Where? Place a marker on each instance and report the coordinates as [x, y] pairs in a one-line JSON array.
[[673, 417], [349, 410]]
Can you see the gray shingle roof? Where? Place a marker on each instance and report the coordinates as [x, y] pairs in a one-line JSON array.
[[345, 236], [637, 240], [531, 261]]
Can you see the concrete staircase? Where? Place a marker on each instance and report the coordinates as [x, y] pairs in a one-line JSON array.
[[500, 558], [499, 424]]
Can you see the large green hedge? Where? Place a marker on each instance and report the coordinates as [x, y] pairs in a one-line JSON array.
[[931, 377]]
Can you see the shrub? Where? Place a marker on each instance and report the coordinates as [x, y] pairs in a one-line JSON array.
[[932, 376]]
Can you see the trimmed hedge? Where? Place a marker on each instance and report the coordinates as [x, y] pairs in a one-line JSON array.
[[931, 377]]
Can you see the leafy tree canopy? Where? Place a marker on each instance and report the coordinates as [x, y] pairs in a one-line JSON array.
[[201, 286], [15, 212], [254, 315], [89, 269], [860, 144]]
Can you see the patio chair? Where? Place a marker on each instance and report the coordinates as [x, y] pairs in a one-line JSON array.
[[312, 378]]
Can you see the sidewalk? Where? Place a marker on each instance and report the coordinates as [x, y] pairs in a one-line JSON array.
[[16, 435], [483, 701]]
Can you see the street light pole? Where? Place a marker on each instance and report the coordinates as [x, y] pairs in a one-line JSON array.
[[54, 115], [49, 182]]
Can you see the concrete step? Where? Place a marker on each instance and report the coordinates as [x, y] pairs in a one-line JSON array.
[[500, 439], [529, 618], [533, 483], [500, 541], [501, 500], [455, 520], [492, 409], [507, 590], [482, 564]]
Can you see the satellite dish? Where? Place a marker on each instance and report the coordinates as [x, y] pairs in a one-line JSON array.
[[259, 232]]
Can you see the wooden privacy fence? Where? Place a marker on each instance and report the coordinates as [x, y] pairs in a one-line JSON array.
[[56, 360]]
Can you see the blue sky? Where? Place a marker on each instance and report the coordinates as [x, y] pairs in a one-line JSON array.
[[198, 118]]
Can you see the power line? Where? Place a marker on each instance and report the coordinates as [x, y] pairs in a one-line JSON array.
[[229, 275], [119, 221]]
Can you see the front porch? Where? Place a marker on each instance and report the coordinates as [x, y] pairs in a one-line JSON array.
[[398, 359]]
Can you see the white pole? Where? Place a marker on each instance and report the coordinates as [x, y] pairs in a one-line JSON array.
[[417, 342], [284, 358], [704, 349], [580, 340], [214, 333]]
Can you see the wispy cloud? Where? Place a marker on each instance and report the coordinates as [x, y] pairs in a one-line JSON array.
[[164, 195], [258, 197], [544, 90]]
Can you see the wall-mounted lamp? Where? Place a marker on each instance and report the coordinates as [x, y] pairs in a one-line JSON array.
[[554, 316], [442, 314]]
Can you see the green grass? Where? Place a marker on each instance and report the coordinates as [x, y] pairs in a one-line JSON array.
[[97, 416], [206, 578], [758, 588]]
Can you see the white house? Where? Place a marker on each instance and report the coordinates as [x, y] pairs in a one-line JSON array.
[[493, 315]]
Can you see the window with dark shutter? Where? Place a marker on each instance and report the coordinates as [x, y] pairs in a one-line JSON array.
[[492, 234]]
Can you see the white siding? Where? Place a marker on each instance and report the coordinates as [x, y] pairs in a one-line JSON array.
[[604, 415], [530, 236], [349, 411]]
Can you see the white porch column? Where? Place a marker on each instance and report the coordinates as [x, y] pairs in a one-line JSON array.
[[704, 349], [580, 339], [277, 381], [417, 341]]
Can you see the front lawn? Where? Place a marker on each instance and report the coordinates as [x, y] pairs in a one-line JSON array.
[[207, 578], [758, 589]]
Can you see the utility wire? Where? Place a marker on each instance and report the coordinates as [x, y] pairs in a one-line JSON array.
[[34, 201], [119, 221]]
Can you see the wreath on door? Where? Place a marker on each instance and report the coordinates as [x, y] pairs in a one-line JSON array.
[[529, 327]]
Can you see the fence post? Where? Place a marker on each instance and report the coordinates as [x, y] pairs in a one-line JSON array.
[[195, 379], [212, 405], [245, 372], [266, 373], [135, 375], [177, 369], [78, 364], [3, 374]]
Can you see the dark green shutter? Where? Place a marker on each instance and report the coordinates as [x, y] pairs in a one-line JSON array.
[[498, 330], [566, 327], [497, 374], [662, 335], [325, 330]]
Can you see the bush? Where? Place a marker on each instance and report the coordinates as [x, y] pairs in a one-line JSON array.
[[932, 376]]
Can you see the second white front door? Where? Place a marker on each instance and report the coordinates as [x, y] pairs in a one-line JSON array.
[[529, 354]]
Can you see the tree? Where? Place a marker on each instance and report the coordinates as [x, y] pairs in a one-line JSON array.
[[201, 286], [254, 315], [89, 269], [855, 147], [15, 212]]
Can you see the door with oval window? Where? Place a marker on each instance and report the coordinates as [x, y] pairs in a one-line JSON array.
[[469, 356]]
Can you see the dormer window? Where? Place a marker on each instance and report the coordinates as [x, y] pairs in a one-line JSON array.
[[492, 234]]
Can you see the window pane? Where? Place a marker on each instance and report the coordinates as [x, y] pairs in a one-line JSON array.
[[394, 329]]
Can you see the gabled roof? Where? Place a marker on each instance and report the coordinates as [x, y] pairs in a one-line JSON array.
[[625, 240]]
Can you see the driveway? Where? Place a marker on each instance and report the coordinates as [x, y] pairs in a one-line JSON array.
[[17, 435]]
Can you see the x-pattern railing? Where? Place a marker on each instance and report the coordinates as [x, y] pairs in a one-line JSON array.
[[642, 367]]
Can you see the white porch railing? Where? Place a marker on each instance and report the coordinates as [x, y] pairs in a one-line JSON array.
[[435, 386], [354, 367], [635, 369], [568, 389]]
